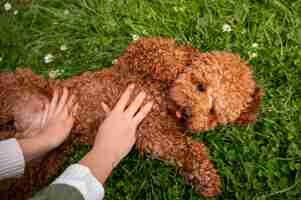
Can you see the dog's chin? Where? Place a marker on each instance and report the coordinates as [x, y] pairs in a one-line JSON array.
[[200, 123]]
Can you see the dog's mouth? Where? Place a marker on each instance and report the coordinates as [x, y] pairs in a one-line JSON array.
[[196, 123], [184, 114]]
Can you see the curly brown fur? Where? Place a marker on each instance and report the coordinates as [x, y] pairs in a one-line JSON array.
[[217, 88], [169, 74], [161, 58], [159, 133]]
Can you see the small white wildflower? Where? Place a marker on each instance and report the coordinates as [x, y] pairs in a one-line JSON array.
[[16, 12], [1, 59], [48, 58], [7, 6], [63, 47], [253, 55], [227, 28], [66, 12], [135, 37], [255, 45], [53, 74], [114, 61]]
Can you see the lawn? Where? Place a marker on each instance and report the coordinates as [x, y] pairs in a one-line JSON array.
[[60, 38]]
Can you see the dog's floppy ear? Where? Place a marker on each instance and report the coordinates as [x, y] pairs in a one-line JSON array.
[[250, 114]]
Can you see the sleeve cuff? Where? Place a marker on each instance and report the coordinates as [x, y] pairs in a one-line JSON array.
[[81, 178], [12, 161]]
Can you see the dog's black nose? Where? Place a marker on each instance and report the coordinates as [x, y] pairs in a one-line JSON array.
[[200, 87], [186, 113]]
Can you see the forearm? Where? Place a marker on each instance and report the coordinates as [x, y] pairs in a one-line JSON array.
[[33, 147], [101, 165]]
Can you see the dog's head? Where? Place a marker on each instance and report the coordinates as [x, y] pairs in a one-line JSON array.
[[217, 88]]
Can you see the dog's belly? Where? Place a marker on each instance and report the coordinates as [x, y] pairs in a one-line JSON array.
[[107, 86]]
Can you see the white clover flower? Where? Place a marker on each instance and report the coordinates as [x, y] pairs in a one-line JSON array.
[[53, 74], [227, 28], [253, 55], [16, 12], [7, 6], [114, 61], [63, 47], [66, 12], [255, 45], [135, 37], [48, 58]]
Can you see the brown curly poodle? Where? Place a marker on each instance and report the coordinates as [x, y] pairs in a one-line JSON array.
[[192, 90]]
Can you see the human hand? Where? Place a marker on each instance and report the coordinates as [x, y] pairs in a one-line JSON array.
[[58, 119], [117, 134], [55, 126]]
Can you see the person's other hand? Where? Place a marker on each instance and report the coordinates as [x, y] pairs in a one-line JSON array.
[[58, 118], [117, 134], [56, 125]]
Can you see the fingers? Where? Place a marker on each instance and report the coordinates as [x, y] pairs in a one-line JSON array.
[[53, 102], [45, 115], [143, 112], [63, 100], [75, 109], [71, 103], [70, 116], [105, 107], [61, 106], [123, 101], [136, 104]]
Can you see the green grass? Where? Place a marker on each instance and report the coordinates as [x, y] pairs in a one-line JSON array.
[[262, 161]]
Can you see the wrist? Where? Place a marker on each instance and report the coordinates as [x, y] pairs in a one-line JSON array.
[[48, 140], [33, 148], [100, 165]]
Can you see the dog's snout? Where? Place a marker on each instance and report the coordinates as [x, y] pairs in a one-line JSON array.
[[186, 113]]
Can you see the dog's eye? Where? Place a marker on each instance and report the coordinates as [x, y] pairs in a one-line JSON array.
[[200, 87]]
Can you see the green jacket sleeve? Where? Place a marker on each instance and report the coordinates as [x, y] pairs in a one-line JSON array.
[[75, 183], [58, 192]]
